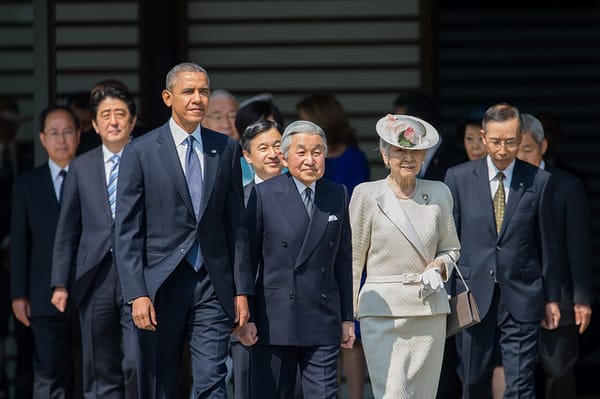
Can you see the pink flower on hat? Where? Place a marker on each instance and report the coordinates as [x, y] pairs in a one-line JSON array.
[[409, 134]]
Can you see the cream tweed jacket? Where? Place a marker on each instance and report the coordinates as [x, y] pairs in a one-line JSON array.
[[395, 239]]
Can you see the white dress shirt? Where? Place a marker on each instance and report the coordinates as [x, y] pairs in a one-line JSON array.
[[493, 171], [57, 179], [180, 136]]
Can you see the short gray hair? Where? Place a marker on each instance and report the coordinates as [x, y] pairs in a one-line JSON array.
[[533, 126], [384, 147], [183, 67], [297, 127], [222, 93]]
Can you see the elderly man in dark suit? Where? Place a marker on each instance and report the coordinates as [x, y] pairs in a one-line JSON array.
[[36, 203], [181, 242], [559, 348], [302, 250], [84, 249], [504, 217]]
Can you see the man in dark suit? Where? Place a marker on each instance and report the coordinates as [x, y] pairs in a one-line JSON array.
[[559, 348], [504, 217], [84, 249], [302, 251], [181, 243], [36, 202]]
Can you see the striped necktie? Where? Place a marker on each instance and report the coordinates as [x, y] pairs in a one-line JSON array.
[[499, 202], [308, 200], [112, 184]]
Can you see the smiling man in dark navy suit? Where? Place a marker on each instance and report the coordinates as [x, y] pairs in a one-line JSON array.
[[504, 218], [302, 250], [181, 244]]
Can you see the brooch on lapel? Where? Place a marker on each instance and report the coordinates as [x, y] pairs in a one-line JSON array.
[[425, 198], [213, 151]]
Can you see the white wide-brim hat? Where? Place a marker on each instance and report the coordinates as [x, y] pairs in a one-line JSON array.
[[407, 132]]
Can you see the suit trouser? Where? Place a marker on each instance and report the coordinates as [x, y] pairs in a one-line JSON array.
[[559, 350], [186, 304], [108, 342], [275, 368], [240, 355], [52, 359], [517, 342]]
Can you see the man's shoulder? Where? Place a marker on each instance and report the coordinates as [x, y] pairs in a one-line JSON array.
[[33, 176], [467, 167]]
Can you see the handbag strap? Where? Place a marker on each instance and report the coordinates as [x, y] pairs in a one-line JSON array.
[[461, 276]]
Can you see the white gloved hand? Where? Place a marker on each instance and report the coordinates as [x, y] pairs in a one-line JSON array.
[[431, 278]]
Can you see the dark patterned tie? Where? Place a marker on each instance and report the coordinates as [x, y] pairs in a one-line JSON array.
[[499, 202], [193, 176], [63, 174], [308, 201]]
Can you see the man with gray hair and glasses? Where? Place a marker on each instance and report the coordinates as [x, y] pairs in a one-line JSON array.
[[559, 348]]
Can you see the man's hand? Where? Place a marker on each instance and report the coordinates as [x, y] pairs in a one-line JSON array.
[[552, 316], [348, 337], [583, 314], [59, 298], [22, 310], [144, 316], [242, 314], [247, 334]]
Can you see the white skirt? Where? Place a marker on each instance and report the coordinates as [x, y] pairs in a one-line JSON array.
[[404, 355]]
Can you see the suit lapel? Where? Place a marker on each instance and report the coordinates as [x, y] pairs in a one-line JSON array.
[[389, 205], [482, 186], [318, 222], [48, 190], [167, 152], [211, 167], [98, 180], [517, 188], [288, 199]]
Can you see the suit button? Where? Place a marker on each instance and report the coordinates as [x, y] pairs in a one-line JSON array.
[[284, 243], [324, 296], [110, 249], [331, 243], [491, 272], [322, 269], [292, 295], [498, 248], [182, 250]]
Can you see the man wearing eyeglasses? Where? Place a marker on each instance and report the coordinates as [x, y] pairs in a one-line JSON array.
[[221, 112], [36, 204], [503, 213]]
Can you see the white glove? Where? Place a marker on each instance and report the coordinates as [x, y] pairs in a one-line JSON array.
[[432, 279]]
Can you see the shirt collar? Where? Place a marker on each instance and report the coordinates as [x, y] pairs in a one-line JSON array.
[[493, 170], [180, 135], [257, 179], [55, 169], [107, 154], [543, 165], [301, 186]]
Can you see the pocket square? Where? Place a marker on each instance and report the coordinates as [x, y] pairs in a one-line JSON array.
[[332, 218]]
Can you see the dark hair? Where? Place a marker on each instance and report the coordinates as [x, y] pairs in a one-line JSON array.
[[257, 128], [472, 117], [418, 104], [111, 92], [80, 100], [501, 113], [108, 83], [44, 115], [255, 111], [327, 112]]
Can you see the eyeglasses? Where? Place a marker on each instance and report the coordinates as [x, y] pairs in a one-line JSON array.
[[220, 117], [508, 143], [65, 134]]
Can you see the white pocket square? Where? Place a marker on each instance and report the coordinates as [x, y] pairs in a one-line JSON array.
[[332, 218]]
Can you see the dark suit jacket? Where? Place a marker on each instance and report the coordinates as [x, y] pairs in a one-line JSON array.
[[523, 256], [572, 214], [85, 225], [34, 218], [248, 189], [304, 276], [155, 224]]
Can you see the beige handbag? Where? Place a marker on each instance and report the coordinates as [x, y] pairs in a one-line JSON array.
[[463, 310]]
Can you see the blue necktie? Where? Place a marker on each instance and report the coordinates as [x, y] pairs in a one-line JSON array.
[[112, 184], [63, 174], [193, 176]]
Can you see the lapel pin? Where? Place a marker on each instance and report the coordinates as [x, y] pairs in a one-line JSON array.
[[213, 151], [522, 184]]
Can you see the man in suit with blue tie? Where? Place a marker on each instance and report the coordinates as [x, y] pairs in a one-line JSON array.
[[36, 204], [181, 242], [302, 251], [559, 348], [83, 250], [504, 218]]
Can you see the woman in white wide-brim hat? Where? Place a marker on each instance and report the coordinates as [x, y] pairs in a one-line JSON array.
[[403, 233]]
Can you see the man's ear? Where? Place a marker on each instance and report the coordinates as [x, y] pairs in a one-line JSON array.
[[167, 98], [544, 146], [246, 155]]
